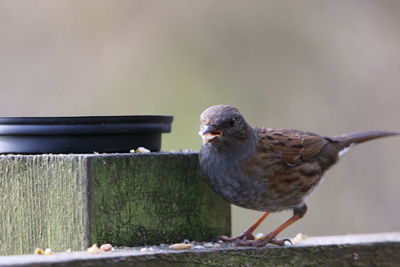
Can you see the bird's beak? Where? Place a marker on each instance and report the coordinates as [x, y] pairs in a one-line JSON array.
[[208, 133]]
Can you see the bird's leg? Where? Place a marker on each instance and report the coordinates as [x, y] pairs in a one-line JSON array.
[[298, 213], [248, 234]]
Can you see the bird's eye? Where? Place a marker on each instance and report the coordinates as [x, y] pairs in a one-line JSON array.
[[231, 122]]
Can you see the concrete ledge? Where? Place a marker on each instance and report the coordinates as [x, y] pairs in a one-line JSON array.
[[352, 250], [72, 201]]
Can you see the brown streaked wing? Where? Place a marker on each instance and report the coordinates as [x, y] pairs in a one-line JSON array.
[[290, 146]]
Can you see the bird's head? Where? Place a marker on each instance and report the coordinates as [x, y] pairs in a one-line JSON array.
[[222, 123]]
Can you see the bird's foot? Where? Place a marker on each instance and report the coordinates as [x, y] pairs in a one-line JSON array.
[[262, 242], [243, 237]]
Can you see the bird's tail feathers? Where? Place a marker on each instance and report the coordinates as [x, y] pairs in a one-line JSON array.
[[356, 138], [348, 140]]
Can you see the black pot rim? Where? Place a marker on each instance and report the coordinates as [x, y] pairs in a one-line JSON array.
[[78, 120], [89, 125], [84, 134]]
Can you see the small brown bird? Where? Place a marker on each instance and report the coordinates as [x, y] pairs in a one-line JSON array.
[[266, 169]]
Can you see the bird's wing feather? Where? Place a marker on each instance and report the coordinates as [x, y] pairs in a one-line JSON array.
[[289, 146]]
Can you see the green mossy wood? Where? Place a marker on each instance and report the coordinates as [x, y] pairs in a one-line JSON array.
[[72, 201]]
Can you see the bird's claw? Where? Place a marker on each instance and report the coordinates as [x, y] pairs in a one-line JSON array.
[[242, 237], [244, 243], [281, 242], [262, 242], [224, 238]]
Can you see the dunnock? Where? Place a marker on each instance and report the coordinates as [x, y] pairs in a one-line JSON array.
[[267, 169]]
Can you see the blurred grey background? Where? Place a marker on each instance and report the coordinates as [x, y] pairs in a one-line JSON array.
[[325, 66]]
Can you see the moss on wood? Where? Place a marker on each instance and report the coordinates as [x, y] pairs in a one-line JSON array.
[[71, 201]]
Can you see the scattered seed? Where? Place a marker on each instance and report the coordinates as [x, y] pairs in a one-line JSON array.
[[258, 236], [93, 249], [198, 247], [180, 246], [298, 238], [48, 252], [39, 251], [142, 150], [106, 247], [132, 151]]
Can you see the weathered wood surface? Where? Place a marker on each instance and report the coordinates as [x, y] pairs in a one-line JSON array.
[[352, 250], [71, 201]]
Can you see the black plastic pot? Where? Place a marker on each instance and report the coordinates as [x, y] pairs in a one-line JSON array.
[[109, 134]]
